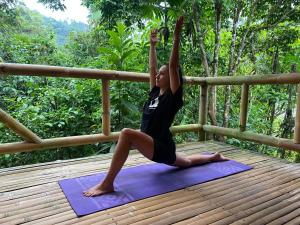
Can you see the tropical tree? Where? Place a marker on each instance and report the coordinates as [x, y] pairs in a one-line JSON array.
[[122, 52]]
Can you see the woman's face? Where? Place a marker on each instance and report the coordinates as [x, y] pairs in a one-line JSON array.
[[162, 78]]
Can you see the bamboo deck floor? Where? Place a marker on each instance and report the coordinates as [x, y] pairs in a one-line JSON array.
[[267, 194]]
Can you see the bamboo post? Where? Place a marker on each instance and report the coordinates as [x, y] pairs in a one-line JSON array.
[[19, 128], [297, 119], [105, 107], [203, 111], [244, 107]]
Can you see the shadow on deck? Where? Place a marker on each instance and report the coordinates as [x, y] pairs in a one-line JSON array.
[[267, 194]]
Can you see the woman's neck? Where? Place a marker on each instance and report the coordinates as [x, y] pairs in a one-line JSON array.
[[162, 90]]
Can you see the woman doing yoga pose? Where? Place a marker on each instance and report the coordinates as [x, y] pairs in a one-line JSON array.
[[154, 140]]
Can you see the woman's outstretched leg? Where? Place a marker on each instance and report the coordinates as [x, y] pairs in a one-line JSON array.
[[187, 161], [127, 139]]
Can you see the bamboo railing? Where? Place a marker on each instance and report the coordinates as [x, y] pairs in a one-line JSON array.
[[33, 142]]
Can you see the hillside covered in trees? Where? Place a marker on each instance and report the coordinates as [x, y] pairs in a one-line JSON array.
[[220, 38], [62, 29]]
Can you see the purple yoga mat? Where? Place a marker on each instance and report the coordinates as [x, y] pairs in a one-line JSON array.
[[139, 182]]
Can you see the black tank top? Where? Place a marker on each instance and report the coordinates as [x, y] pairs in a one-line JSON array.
[[159, 112]]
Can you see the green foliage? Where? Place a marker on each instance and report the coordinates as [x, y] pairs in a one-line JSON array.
[[7, 15], [54, 107], [81, 50], [110, 12], [29, 42], [123, 53]]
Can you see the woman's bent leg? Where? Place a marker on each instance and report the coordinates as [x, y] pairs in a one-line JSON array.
[[127, 139], [187, 161]]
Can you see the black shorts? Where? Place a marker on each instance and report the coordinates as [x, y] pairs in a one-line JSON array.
[[164, 152]]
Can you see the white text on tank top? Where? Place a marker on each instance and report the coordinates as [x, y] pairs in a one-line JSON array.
[[154, 103]]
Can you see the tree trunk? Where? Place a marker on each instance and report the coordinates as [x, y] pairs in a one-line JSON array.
[[241, 49], [253, 52], [213, 90], [201, 42], [272, 107], [272, 102], [227, 101]]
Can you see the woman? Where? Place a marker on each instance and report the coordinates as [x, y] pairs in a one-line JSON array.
[[154, 140]]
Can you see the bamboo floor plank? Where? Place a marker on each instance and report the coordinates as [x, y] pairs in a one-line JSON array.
[[201, 204], [286, 218], [15, 202], [27, 192], [242, 210], [106, 221], [295, 221], [268, 194], [90, 221], [96, 219], [161, 206], [135, 207]]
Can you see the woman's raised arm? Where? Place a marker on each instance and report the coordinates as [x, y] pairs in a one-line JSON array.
[[174, 58]]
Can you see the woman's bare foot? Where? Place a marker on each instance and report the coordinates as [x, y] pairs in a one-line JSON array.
[[217, 157], [99, 189]]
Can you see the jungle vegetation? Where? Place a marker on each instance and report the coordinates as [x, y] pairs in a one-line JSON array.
[[220, 38]]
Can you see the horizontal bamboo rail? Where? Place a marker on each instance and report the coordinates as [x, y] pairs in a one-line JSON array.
[[77, 140], [19, 128], [284, 78], [250, 136], [57, 71], [186, 128], [58, 142]]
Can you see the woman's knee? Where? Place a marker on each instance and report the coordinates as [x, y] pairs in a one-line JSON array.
[[127, 134]]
